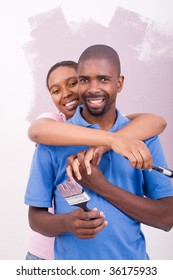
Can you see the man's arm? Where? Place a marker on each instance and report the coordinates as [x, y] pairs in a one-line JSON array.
[[81, 224], [153, 212]]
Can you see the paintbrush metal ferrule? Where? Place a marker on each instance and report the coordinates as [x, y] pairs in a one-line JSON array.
[[77, 199]]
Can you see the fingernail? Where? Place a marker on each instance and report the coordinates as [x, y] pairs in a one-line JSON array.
[[102, 214], [72, 180], [88, 171]]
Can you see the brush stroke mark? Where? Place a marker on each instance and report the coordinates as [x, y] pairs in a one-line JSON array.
[[145, 49]]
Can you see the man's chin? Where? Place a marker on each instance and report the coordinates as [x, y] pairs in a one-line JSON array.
[[96, 111]]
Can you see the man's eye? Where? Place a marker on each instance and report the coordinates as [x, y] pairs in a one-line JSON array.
[[83, 80], [104, 79]]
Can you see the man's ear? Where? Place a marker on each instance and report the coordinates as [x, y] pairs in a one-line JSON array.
[[120, 83]]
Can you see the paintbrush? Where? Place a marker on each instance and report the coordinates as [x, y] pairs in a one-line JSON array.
[[74, 194], [165, 171]]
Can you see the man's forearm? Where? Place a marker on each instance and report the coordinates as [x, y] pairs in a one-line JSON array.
[[156, 213], [46, 223]]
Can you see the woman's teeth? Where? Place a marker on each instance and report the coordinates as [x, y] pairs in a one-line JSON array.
[[70, 103]]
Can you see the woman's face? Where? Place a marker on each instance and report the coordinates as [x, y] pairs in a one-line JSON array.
[[63, 87]]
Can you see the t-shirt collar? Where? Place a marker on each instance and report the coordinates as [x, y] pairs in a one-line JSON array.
[[79, 120]]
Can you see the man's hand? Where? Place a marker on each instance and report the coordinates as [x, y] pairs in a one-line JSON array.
[[81, 224], [96, 178], [85, 157], [84, 225]]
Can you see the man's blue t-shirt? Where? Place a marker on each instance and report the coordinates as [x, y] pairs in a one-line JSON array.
[[122, 238]]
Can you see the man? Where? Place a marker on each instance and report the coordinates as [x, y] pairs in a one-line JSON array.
[[126, 196]]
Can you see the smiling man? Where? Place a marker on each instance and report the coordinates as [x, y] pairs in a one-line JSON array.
[[125, 196], [99, 84]]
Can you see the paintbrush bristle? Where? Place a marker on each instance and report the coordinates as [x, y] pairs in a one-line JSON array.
[[68, 189]]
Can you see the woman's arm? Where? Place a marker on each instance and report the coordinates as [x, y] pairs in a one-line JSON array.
[[50, 132], [143, 126]]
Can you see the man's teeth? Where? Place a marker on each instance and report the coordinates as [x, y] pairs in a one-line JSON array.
[[96, 101], [70, 103]]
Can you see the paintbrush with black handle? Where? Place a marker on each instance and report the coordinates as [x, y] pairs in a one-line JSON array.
[[74, 194], [166, 171]]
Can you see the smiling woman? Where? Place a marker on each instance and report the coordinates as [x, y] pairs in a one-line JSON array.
[[62, 83]]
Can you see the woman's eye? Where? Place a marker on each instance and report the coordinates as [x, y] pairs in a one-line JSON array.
[[73, 84], [56, 91]]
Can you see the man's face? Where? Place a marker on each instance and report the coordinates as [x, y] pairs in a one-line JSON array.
[[98, 84]]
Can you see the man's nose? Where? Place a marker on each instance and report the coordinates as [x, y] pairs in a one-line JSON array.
[[94, 87]]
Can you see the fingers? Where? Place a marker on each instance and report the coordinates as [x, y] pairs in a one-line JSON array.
[[85, 225], [96, 159], [134, 150], [98, 153], [84, 159], [140, 157], [91, 224], [91, 232], [73, 168], [89, 154], [69, 172], [146, 159]]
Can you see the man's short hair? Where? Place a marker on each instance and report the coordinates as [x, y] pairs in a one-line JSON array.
[[101, 52]]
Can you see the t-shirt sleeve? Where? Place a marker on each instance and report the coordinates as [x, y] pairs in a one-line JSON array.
[[40, 186], [59, 117]]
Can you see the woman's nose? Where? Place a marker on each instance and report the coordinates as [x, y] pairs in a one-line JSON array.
[[66, 92]]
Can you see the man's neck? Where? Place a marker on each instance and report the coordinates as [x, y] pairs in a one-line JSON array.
[[105, 121]]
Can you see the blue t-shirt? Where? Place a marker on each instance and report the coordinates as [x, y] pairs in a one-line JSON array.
[[122, 238]]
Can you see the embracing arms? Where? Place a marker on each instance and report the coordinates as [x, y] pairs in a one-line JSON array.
[[50, 132], [123, 142]]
